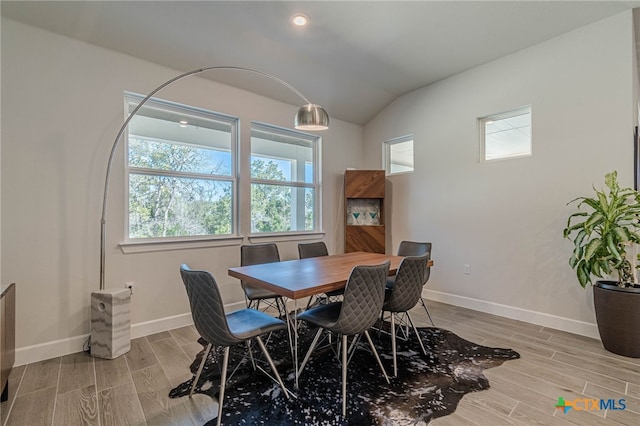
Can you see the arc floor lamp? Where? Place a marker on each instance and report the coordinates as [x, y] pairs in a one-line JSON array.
[[110, 335]]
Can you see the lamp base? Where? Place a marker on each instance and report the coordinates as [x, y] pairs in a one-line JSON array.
[[110, 323]]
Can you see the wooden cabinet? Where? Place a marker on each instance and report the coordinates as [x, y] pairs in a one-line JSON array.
[[364, 211], [7, 336]]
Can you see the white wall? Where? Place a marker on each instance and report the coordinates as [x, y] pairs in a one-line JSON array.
[[62, 106], [505, 218]]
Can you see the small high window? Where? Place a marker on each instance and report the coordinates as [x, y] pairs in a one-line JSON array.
[[399, 155], [506, 135]]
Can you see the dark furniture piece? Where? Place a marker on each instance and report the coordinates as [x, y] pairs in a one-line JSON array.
[[364, 211], [255, 254], [359, 310], [7, 336], [317, 249], [414, 248], [307, 250], [321, 274], [404, 295], [618, 316], [225, 330]]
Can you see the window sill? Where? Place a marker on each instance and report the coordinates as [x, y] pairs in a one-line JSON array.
[[131, 247], [263, 238]]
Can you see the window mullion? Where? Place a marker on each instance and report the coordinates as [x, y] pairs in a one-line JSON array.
[[174, 173]]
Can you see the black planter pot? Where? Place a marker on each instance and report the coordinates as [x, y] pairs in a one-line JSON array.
[[618, 317]]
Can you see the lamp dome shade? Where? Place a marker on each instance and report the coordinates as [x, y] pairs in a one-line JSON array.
[[311, 117]]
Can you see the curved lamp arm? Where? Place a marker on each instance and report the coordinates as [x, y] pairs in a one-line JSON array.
[[309, 117]]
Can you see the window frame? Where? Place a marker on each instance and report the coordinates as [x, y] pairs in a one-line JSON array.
[[316, 184], [482, 123], [135, 245], [387, 160]]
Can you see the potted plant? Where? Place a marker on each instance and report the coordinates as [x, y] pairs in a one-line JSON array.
[[604, 232]]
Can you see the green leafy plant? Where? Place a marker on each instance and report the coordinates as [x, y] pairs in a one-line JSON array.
[[602, 234]]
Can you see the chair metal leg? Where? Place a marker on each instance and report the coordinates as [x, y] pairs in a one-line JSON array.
[[253, 362], [292, 333], [344, 375], [375, 353], [427, 310], [393, 345], [223, 383], [272, 365], [311, 348], [282, 310], [311, 299], [415, 330], [200, 367], [381, 323], [354, 342], [353, 347]]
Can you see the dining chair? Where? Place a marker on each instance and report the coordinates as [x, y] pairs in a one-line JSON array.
[[404, 295], [414, 248], [254, 254], [220, 329], [354, 316], [317, 249]]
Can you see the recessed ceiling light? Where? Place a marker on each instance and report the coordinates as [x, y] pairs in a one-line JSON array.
[[183, 123], [299, 19]]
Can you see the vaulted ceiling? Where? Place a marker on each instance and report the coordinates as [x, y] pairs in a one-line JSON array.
[[354, 58]]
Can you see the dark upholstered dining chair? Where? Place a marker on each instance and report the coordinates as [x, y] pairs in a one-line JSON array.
[[254, 254], [225, 330], [317, 249], [404, 295], [414, 248], [354, 316]]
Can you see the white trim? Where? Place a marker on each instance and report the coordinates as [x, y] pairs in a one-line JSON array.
[[261, 238], [71, 345], [130, 247], [546, 320], [61, 347], [48, 350]]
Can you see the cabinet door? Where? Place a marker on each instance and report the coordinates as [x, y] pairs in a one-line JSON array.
[[364, 184], [364, 238]]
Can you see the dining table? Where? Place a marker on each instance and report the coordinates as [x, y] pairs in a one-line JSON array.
[[301, 278]]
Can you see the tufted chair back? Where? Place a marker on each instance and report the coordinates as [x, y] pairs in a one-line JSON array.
[[408, 285], [414, 248], [207, 308], [363, 299]]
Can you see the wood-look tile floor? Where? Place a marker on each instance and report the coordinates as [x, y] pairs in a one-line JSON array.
[[132, 389]]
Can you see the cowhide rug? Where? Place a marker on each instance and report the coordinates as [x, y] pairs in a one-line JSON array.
[[426, 387]]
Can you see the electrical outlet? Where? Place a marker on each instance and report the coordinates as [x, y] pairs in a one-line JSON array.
[[467, 269]]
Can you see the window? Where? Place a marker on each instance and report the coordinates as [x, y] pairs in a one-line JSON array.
[[399, 155], [506, 135], [285, 188], [181, 171]]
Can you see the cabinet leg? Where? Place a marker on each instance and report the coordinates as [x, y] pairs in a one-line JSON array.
[[5, 393]]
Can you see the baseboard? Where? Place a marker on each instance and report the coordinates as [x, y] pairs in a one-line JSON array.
[[48, 350], [56, 348], [546, 320]]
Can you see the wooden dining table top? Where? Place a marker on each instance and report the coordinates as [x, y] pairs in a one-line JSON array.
[[299, 278]]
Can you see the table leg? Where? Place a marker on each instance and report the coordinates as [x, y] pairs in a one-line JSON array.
[[292, 329]]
